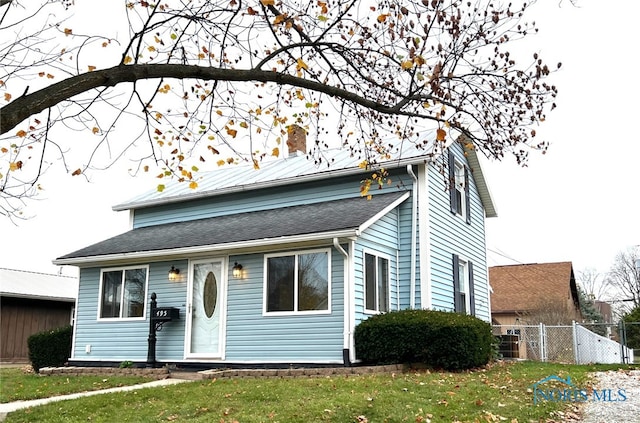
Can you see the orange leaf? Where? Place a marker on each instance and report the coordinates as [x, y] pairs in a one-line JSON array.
[[76, 172], [256, 166], [21, 133], [95, 130], [7, 97], [441, 134], [91, 68], [268, 2], [275, 152], [250, 11], [407, 64], [193, 185], [232, 132], [302, 65], [127, 60], [15, 165], [67, 31], [382, 18], [50, 76]]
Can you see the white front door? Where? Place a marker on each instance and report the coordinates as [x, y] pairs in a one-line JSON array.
[[206, 311]]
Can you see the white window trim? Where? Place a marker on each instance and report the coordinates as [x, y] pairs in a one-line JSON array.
[[266, 313], [463, 262], [123, 319], [459, 186], [377, 255]]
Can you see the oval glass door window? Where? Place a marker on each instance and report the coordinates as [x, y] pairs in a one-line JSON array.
[[210, 294]]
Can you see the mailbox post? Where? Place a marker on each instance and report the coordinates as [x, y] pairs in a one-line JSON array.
[[158, 316]]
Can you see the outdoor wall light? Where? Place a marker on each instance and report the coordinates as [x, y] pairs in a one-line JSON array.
[[237, 270], [174, 274]]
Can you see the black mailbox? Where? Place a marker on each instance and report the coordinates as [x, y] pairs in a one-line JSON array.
[[165, 314]]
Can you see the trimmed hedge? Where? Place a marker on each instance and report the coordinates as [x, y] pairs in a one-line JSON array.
[[439, 339], [50, 348]]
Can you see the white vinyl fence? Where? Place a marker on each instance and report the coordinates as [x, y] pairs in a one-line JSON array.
[[566, 344]]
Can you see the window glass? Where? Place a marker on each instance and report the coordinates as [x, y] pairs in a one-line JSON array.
[[313, 284], [280, 283], [111, 284], [370, 281], [460, 187], [134, 281], [383, 284]]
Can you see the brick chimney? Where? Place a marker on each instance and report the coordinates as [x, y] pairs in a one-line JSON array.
[[296, 139]]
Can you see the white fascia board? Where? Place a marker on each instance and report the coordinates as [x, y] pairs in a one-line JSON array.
[[190, 251], [384, 211]]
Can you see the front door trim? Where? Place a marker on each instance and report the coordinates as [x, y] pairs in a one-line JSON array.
[[221, 310]]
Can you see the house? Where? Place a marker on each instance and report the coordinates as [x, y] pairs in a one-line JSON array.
[[32, 302], [277, 266], [534, 293]]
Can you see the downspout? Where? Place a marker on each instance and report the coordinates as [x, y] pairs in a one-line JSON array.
[[346, 337], [414, 224]]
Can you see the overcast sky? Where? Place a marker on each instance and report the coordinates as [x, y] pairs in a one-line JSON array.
[[580, 202]]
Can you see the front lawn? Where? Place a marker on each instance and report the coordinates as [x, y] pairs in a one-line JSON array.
[[17, 384], [501, 392]]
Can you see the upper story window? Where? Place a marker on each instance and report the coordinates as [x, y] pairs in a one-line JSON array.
[[463, 292], [123, 293], [297, 283], [376, 283], [459, 188]]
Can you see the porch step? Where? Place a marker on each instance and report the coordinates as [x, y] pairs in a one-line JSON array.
[[186, 375]]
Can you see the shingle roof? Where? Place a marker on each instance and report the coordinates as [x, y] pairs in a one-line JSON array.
[[518, 288], [34, 285], [326, 217]]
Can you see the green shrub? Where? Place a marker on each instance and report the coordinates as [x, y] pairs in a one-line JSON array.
[[50, 348], [439, 339]]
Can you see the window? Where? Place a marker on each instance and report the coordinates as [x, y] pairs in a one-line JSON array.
[[297, 282], [123, 293], [459, 188], [376, 283], [463, 293]]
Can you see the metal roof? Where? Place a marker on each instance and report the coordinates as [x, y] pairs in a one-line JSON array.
[[294, 169], [40, 286], [322, 220]]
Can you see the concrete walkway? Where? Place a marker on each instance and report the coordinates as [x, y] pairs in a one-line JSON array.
[[18, 405]]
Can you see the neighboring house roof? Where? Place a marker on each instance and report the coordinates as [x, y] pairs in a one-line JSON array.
[[295, 169], [40, 286], [322, 220], [521, 287]]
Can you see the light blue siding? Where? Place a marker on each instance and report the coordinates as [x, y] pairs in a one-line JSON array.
[[128, 340], [450, 234], [248, 201], [296, 338], [381, 238]]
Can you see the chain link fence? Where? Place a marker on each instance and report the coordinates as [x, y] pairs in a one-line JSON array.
[[577, 343]]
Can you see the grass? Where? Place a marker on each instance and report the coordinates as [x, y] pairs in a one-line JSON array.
[[502, 392], [18, 385]]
